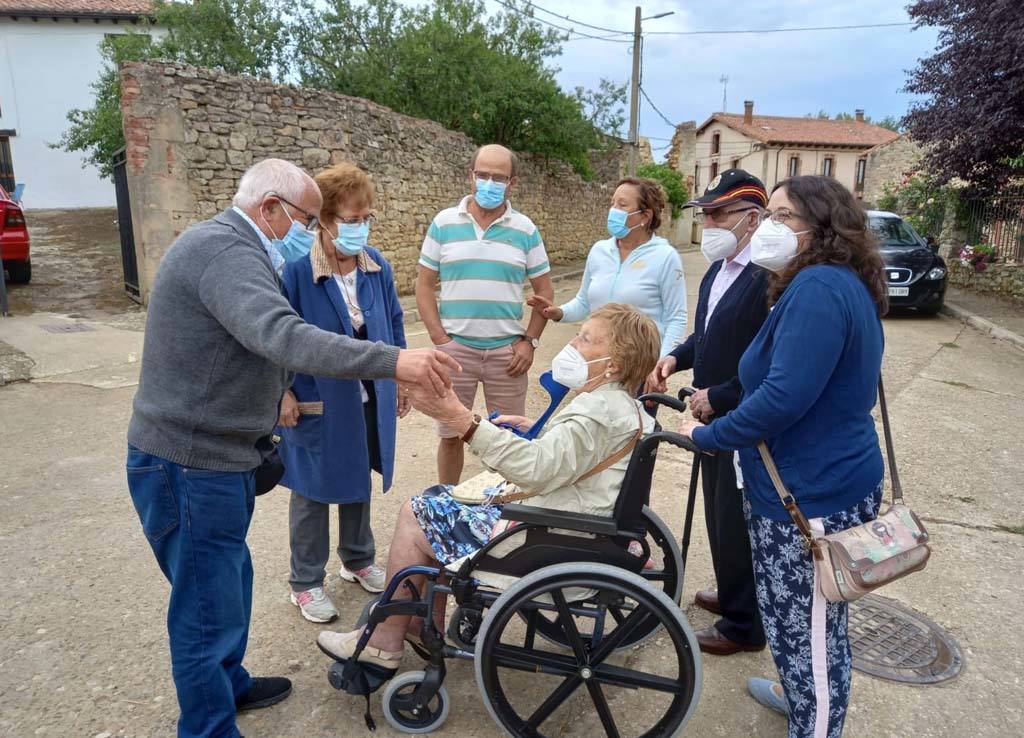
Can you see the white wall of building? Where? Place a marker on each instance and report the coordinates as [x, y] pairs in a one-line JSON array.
[[46, 69]]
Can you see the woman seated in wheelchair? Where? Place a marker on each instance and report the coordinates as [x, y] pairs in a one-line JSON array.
[[605, 363]]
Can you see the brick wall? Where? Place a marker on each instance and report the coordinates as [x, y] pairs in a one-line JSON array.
[[192, 132], [886, 166]]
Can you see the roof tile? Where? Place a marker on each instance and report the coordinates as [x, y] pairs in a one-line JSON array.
[[779, 129], [118, 8]]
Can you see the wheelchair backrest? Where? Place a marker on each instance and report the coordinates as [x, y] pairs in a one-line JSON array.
[[636, 485]]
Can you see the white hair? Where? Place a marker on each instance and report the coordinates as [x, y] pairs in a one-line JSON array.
[[271, 175]]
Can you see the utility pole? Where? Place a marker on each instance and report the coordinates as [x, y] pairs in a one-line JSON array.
[[634, 97], [724, 79]]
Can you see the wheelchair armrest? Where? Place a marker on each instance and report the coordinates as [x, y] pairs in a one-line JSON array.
[[561, 519]]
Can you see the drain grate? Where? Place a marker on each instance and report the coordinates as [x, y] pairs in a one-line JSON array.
[[891, 641], [67, 328]]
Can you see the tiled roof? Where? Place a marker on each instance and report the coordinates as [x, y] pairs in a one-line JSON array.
[[79, 8], [778, 129]]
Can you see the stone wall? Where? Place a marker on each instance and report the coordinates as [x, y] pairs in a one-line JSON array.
[[1001, 279], [192, 132], [886, 166]]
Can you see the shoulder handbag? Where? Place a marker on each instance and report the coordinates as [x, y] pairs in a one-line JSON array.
[[490, 488], [855, 561]]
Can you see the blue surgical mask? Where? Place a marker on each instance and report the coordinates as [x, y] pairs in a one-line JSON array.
[[489, 194], [352, 238], [617, 227], [296, 242]]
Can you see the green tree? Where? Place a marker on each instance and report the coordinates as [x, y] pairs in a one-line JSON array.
[[449, 61], [604, 107], [671, 180], [238, 36]]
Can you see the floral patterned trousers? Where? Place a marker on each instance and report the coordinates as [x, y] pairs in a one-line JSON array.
[[806, 633]]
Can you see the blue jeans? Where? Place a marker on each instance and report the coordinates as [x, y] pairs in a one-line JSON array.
[[196, 522]]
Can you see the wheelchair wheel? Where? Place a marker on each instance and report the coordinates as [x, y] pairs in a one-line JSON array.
[[530, 691], [665, 574], [401, 712]]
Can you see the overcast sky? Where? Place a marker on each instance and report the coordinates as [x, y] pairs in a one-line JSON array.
[[784, 73]]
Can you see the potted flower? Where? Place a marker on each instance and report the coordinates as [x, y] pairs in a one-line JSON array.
[[978, 256]]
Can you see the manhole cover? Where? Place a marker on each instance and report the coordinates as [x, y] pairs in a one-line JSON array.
[[891, 641], [67, 328]]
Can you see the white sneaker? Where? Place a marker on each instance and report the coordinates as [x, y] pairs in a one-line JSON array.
[[370, 577], [315, 605]]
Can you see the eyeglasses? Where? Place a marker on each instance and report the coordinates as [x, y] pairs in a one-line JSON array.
[[778, 216], [311, 220], [358, 220], [718, 216], [491, 176]]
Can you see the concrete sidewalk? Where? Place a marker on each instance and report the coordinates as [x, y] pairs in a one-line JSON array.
[[995, 315]]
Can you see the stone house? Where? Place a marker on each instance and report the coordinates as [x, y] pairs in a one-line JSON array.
[[776, 147]]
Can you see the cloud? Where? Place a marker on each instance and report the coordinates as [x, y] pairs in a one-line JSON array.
[[784, 73]]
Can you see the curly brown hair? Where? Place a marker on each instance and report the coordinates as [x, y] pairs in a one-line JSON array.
[[651, 196], [839, 235], [633, 342], [343, 184]]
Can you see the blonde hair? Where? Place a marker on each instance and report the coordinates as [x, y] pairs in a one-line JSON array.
[[633, 342], [344, 183]]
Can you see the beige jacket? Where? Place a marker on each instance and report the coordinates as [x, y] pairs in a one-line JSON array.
[[592, 427]]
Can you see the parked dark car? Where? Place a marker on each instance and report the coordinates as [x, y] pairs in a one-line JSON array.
[[917, 275], [14, 240]]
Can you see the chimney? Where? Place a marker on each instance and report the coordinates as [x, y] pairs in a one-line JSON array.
[[748, 112], [859, 115]]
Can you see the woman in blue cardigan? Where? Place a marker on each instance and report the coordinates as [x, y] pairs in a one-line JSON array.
[[347, 287], [810, 380]]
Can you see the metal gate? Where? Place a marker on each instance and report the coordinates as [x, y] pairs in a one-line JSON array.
[[124, 226], [999, 221]]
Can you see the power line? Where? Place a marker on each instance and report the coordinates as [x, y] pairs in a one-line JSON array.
[[563, 29], [777, 30], [655, 108], [581, 23]]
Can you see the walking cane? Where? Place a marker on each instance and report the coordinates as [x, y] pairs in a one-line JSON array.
[[691, 498]]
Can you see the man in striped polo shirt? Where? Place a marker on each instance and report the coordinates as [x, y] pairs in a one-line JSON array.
[[482, 251]]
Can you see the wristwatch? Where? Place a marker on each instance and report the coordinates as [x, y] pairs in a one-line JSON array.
[[535, 342], [468, 435]]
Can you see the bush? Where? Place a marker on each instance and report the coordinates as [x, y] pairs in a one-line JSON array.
[[671, 180]]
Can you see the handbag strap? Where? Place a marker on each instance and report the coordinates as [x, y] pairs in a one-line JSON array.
[[897, 488], [621, 453], [789, 502]]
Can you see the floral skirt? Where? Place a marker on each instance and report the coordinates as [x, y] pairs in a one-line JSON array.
[[453, 530]]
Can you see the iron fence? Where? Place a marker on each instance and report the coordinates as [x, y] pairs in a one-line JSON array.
[[124, 227], [999, 221]]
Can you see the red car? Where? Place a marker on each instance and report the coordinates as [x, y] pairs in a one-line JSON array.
[[14, 240]]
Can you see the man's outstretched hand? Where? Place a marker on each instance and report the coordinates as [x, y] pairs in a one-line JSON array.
[[426, 368]]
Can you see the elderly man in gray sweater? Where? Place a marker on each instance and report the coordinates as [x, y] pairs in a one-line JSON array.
[[221, 343]]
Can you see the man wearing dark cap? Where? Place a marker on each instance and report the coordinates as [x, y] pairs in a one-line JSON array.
[[731, 307]]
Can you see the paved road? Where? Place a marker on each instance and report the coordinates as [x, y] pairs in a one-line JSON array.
[[82, 639]]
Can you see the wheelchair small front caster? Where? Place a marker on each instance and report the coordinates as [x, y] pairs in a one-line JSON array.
[[399, 702]]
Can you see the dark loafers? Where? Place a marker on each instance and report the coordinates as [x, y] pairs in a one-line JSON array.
[[708, 600], [711, 641]]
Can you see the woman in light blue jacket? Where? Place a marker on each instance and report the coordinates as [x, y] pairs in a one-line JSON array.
[[634, 266]]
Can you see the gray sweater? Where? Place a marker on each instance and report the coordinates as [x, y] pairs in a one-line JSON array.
[[221, 341]]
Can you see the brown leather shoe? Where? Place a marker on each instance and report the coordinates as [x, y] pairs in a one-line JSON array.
[[708, 599], [711, 641]]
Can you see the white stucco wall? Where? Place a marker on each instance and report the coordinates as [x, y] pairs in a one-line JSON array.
[[46, 69]]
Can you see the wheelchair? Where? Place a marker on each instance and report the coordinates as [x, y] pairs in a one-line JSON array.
[[559, 599]]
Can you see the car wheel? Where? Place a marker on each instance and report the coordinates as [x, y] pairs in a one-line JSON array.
[[20, 272], [930, 310]]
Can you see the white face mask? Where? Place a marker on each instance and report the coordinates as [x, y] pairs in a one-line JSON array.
[[774, 245], [570, 368], [720, 243]]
